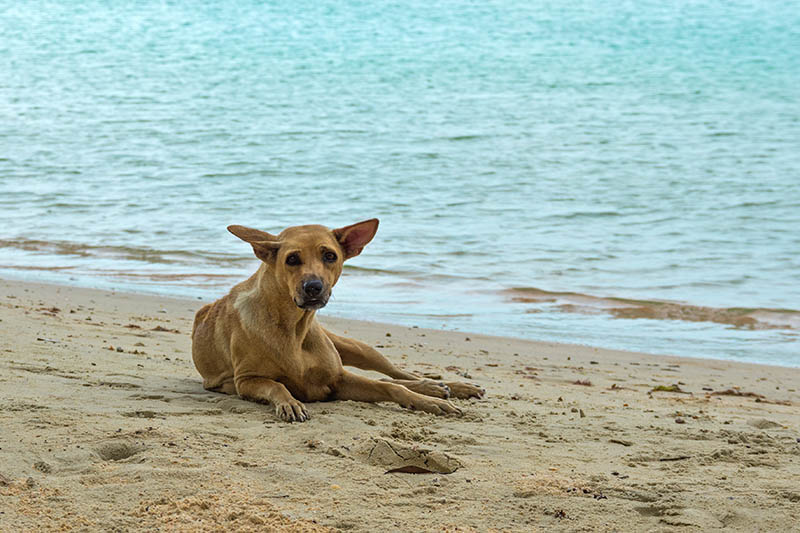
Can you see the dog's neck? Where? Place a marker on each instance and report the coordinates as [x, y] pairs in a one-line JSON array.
[[268, 302]]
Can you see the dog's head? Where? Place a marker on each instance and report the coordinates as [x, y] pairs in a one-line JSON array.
[[307, 261]]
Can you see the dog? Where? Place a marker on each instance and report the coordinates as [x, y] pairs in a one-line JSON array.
[[262, 340]]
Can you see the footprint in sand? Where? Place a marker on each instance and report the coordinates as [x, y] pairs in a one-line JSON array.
[[118, 450], [393, 455], [143, 414], [149, 397], [763, 423]]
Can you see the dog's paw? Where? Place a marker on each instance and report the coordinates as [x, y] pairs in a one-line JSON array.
[[291, 411], [465, 390], [435, 406]]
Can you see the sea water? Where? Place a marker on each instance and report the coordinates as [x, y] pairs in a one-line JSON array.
[[535, 165]]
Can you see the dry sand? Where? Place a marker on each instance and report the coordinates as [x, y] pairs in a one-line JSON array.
[[105, 427]]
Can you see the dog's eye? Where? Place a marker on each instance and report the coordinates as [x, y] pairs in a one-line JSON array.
[[293, 260], [329, 257]]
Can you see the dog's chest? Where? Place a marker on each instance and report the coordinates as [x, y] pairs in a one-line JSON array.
[[317, 370], [315, 383]]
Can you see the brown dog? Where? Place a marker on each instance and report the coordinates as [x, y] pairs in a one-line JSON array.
[[263, 342]]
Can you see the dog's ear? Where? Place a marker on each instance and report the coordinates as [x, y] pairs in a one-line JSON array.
[[264, 244], [355, 237]]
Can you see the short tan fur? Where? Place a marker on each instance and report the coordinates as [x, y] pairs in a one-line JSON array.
[[262, 340]]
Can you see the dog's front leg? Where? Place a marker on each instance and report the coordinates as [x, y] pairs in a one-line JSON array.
[[266, 390], [358, 388]]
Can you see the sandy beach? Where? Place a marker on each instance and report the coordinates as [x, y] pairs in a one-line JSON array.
[[106, 427]]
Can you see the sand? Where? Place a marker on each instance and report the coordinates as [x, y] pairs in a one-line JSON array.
[[106, 427]]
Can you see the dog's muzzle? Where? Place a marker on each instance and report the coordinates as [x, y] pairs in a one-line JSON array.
[[312, 295]]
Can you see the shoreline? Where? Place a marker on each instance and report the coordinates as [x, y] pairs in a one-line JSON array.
[[106, 422], [626, 311]]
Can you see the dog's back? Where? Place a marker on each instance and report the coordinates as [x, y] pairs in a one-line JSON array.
[[210, 353]]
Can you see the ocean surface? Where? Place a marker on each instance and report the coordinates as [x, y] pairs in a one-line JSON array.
[[619, 174]]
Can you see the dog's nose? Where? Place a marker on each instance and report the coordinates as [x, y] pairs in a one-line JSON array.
[[313, 287]]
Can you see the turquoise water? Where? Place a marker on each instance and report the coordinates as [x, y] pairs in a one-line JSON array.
[[631, 150]]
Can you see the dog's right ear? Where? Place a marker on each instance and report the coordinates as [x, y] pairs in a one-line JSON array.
[[264, 244], [355, 237]]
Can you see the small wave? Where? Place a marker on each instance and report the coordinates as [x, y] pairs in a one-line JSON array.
[[586, 214], [465, 137], [738, 317], [156, 276], [131, 253], [377, 271], [35, 267]]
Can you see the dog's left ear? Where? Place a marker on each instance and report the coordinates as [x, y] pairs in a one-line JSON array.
[[264, 244], [355, 237]]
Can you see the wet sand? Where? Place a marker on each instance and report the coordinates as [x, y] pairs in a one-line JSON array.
[[105, 426]]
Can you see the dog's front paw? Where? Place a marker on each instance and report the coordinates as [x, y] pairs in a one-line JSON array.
[[291, 411], [435, 406], [465, 390]]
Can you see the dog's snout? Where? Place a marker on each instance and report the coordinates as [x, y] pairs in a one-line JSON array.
[[311, 294], [313, 287]]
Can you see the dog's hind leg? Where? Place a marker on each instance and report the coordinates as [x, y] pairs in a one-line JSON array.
[[360, 355], [361, 389], [428, 387], [356, 353], [225, 388]]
